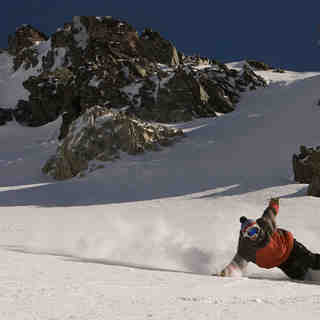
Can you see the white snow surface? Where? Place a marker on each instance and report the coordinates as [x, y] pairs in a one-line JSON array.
[[59, 58], [81, 36], [11, 88], [140, 238]]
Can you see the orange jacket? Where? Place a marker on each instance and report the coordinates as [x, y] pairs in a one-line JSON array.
[[277, 250], [273, 246]]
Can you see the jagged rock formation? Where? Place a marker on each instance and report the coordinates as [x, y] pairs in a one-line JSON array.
[[159, 49], [24, 37], [262, 66], [306, 167], [103, 61], [21, 46], [258, 65], [100, 135], [106, 81]]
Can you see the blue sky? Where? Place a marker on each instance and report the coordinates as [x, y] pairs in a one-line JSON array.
[[281, 33]]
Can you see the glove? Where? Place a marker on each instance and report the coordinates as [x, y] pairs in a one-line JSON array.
[[231, 270], [274, 203]]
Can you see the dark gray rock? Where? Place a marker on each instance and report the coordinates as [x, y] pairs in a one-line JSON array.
[[302, 165], [278, 70], [24, 37], [50, 95], [306, 167], [258, 65], [100, 135], [159, 49]]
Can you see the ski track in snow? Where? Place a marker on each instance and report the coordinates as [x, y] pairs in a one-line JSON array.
[[140, 238]]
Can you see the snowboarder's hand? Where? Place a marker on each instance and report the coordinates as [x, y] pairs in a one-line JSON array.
[[231, 270], [274, 201], [226, 271], [274, 204], [223, 273]]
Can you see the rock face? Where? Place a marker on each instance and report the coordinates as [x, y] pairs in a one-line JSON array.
[[100, 135], [158, 49], [24, 37], [306, 167], [50, 94], [103, 61], [22, 46]]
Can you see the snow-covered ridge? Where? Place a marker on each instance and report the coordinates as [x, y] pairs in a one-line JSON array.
[[272, 77]]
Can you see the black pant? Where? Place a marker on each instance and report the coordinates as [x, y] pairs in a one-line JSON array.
[[299, 261]]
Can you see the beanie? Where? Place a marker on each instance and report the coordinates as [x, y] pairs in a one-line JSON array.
[[246, 223]]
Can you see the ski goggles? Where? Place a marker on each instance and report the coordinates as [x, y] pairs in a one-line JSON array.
[[252, 232]]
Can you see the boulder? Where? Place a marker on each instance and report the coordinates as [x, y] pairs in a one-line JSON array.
[[314, 186], [100, 135], [302, 166], [306, 167]]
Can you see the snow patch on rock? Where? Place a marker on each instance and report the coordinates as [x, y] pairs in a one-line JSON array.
[[81, 37]]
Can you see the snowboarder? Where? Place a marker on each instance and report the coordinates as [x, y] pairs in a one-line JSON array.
[[262, 243]]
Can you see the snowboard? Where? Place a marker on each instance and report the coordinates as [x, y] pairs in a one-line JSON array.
[[312, 276]]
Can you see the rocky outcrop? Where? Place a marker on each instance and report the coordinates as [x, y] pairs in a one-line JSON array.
[[50, 94], [103, 61], [258, 65], [158, 49], [302, 167], [100, 135], [24, 37], [306, 167], [278, 70], [190, 91], [21, 46]]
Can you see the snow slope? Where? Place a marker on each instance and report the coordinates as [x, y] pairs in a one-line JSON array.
[[140, 238], [11, 88]]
